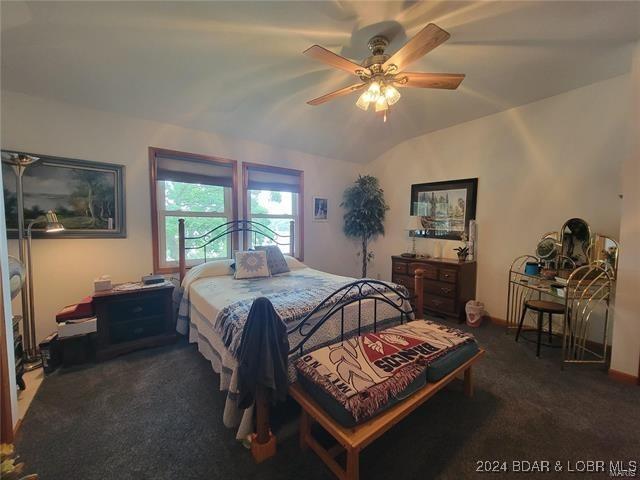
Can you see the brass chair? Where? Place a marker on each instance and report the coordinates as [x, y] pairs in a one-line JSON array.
[[542, 307]]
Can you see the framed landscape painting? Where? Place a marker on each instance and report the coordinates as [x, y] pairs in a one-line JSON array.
[[444, 208], [88, 197]]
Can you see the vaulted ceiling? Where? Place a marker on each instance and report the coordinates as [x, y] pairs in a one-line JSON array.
[[237, 67]]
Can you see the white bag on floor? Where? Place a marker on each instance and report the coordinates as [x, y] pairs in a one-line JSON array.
[[475, 312]]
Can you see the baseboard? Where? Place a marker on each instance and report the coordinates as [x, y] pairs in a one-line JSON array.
[[497, 321], [17, 427], [622, 377]]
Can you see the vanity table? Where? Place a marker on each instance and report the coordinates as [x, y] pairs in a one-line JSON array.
[[586, 264]]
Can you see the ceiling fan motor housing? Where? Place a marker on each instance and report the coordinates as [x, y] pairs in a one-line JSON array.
[[374, 62], [377, 44]]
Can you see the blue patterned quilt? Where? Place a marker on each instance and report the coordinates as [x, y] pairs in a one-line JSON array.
[[293, 295], [292, 305]]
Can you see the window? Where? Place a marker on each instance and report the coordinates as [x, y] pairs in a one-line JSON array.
[[274, 197], [197, 188]]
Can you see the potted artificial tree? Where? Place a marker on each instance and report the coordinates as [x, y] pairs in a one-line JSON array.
[[364, 217]]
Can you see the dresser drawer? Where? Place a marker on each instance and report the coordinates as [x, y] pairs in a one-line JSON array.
[[440, 304], [138, 328], [123, 310], [404, 280], [442, 289], [429, 271], [399, 267], [448, 275]]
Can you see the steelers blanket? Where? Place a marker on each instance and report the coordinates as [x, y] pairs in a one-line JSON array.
[[365, 372]]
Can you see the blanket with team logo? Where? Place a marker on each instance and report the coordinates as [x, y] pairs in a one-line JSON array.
[[365, 372]]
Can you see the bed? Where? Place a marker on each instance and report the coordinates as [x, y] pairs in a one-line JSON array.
[[214, 307], [318, 309]]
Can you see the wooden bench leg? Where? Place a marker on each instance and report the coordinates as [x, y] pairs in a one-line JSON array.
[[305, 429], [468, 383], [353, 464]]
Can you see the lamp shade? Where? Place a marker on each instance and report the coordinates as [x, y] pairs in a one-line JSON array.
[[53, 225], [414, 223]]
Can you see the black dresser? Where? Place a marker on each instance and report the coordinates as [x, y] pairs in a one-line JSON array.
[[133, 319]]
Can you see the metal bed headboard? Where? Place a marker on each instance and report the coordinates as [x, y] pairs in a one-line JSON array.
[[232, 228]]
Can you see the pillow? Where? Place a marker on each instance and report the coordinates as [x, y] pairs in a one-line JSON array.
[[275, 259], [213, 268], [294, 263], [251, 265]]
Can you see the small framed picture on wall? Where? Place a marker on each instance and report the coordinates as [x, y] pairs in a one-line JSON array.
[[320, 209]]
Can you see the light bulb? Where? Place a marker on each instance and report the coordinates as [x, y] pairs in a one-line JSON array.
[[374, 91], [364, 100], [391, 94], [381, 103]]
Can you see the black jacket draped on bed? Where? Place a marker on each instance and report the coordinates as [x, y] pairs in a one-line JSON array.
[[264, 350]]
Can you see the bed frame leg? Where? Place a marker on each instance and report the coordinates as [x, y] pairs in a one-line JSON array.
[[182, 262], [418, 283], [468, 383], [263, 442]]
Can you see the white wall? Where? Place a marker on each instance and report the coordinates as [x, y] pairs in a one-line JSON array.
[[626, 329], [65, 269], [537, 165]]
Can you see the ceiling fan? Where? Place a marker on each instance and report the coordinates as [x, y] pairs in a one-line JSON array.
[[380, 73]]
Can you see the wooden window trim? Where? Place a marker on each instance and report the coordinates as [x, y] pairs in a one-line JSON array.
[[154, 152], [270, 168]]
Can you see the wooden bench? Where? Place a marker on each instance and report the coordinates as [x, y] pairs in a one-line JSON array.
[[353, 440]]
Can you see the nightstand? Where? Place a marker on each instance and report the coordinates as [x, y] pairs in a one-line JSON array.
[[133, 319]]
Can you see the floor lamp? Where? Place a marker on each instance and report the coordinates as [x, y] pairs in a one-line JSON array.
[[20, 162]]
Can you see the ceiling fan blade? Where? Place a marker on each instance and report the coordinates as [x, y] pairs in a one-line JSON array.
[[333, 59], [336, 94], [448, 81], [422, 43]]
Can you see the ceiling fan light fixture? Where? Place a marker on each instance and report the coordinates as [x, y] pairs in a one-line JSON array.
[[391, 94], [381, 103], [374, 90], [364, 100]]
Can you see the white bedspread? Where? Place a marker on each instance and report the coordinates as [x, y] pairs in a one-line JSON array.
[[207, 297]]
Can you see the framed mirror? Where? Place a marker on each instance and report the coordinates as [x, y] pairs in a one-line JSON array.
[[576, 241], [605, 250]]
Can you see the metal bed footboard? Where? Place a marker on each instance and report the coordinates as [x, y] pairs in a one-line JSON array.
[[350, 294]]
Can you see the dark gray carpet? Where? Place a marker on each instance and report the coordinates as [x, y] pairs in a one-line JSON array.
[[157, 414]]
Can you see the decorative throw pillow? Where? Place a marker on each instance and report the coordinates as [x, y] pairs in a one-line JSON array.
[[251, 265], [294, 263], [275, 259]]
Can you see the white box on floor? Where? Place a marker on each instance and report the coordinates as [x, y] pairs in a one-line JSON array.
[[77, 327]]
